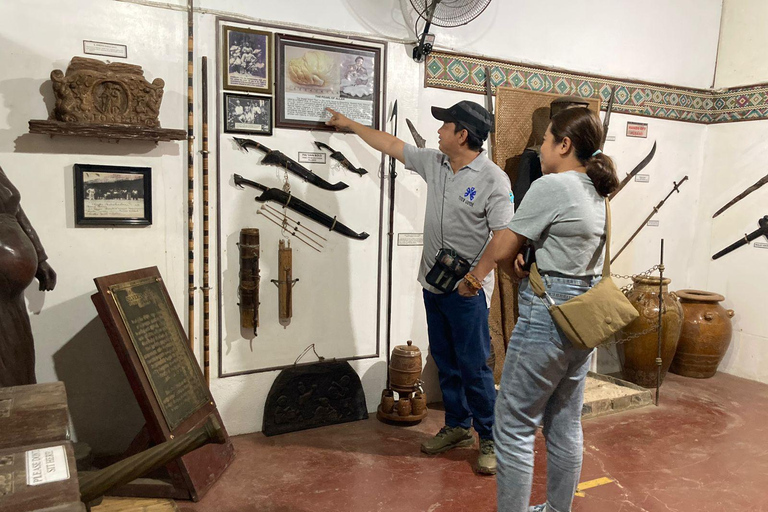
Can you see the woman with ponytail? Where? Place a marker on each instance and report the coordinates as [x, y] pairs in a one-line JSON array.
[[563, 215]]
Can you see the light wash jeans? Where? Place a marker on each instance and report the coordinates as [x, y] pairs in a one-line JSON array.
[[542, 382]]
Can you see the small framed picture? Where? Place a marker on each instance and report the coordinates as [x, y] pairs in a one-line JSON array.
[[113, 195], [247, 60], [247, 114]]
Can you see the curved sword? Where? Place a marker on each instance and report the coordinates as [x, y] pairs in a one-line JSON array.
[[289, 201], [639, 167], [274, 157], [339, 157], [762, 230]]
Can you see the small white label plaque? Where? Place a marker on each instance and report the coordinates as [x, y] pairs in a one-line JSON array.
[[610, 138], [408, 239], [761, 245], [637, 130], [108, 49], [642, 178], [653, 224], [311, 158], [46, 465]]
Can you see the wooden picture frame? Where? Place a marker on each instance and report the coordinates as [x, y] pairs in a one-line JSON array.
[[247, 60], [244, 113], [113, 195], [312, 74]]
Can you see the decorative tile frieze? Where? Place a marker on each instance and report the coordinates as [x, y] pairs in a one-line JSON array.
[[706, 106]]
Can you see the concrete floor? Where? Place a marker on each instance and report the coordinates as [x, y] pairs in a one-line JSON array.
[[705, 449]]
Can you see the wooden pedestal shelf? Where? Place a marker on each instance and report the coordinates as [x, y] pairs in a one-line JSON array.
[[106, 131], [396, 418]]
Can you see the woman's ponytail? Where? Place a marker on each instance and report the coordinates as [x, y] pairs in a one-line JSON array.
[[583, 127], [602, 172]]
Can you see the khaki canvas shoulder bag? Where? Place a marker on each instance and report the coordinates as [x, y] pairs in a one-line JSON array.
[[594, 316]]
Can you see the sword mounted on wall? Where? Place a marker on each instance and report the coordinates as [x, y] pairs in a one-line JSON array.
[[761, 231], [289, 201], [274, 157], [639, 167], [762, 181], [339, 157]]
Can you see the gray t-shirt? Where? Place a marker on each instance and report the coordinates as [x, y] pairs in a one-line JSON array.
[[564, 217], [468, 204]]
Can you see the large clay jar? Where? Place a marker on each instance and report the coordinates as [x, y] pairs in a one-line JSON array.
[[706, 334], [638, 354], [405, 368]]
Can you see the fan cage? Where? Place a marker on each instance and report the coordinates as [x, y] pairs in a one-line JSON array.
[[451, 13]]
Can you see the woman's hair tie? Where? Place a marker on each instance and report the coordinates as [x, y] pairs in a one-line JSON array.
[[597, 152]]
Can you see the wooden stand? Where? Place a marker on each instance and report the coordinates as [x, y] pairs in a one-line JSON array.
[[395, 417], [105, 130], [166, 380]]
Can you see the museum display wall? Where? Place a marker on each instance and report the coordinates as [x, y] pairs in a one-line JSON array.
[[335, 300]]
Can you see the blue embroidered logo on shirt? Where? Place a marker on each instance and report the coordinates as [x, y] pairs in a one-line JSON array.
[[471, 192]]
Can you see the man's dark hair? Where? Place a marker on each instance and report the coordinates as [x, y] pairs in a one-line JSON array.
[[473, 143]]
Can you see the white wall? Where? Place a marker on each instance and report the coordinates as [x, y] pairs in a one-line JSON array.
[[653, 48], [734, 159], [741, 56], [672, 42], [70, 340]]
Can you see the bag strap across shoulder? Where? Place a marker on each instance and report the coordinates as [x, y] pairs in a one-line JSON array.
[[534, 278]]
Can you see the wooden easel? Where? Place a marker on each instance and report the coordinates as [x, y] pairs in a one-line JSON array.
[[165, 378]]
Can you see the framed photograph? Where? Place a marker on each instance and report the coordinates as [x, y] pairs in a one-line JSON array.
[[247, 114], [314, 74], [113, 195], [247, 60]]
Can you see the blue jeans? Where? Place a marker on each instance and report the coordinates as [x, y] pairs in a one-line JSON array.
[[460, 343], [542, 382]]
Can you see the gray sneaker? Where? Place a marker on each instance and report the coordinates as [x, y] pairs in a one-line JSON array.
[[538, 508], [486, 461], [447, 438]]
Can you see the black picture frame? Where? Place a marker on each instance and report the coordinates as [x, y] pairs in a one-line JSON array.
[[336, 83], [113, 195], [246, 59], [257, 109]]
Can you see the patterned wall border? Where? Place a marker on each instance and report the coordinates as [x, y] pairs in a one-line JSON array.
[[706, 106]]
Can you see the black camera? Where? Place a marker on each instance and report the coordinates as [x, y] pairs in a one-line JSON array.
[[448, 270]]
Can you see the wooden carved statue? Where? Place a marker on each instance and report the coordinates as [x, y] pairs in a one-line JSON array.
[[96, 92], [22, 258]]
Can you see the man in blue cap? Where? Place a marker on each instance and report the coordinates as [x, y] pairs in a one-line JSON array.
[[468, 197]]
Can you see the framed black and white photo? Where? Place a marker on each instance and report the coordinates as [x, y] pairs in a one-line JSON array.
[[247, 60], [113, 195], [247, 114], [313, 74]]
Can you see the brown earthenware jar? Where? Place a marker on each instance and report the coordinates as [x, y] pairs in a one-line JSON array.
[[706, 334], [405, 368], [638, 354]]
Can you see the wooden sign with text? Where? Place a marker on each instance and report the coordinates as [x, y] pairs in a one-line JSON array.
[[165, 377]]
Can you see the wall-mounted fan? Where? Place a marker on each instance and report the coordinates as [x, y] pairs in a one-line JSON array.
[[443, 13]]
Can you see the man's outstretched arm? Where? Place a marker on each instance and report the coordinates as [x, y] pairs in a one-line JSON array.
[[378, 140]]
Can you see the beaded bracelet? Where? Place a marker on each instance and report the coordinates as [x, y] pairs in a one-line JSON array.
[[472, 281]]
